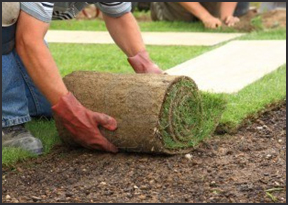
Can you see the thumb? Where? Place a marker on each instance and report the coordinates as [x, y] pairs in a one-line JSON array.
[[101, 143], [227, 20], [157, 70], [105, 121]]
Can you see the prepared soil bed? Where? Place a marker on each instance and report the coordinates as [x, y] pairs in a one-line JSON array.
[[155, 113], [268, 20], [247, 167]]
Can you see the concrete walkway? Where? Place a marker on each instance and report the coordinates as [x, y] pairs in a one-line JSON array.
[[150, 38], [233, 66], [227, 69]]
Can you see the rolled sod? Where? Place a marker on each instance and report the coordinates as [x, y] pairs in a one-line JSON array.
[[155, 113]]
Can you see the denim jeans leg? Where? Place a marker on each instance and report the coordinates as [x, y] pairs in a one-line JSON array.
[[14, 101], [37, 103]]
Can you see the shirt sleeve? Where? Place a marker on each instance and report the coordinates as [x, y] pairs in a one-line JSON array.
[[39, 10], [114, 9]]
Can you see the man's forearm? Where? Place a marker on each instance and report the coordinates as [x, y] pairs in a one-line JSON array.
[[196, 9], [126, 33], [42, 69], [227, 9], [37, 58]]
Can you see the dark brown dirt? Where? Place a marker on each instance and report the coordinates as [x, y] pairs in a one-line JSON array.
[[268, 20], [247, 167]]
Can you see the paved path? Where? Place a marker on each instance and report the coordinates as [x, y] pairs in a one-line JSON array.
[[227, 69], [233, 66], [150, 38]]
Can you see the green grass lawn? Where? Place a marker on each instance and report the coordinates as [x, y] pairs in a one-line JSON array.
[[160, 26], [145, 23], [94, 57], [248, 102]]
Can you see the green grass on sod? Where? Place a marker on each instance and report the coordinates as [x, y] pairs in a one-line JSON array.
[[188, 117], [108, 58], [247, 104]]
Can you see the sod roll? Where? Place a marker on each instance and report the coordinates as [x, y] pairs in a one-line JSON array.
[[155, 113]]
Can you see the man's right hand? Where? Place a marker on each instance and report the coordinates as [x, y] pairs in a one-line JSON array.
[[83, 124], [211, 22], [41, 67]]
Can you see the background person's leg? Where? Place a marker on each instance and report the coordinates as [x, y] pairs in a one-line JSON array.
[[212, 7], [242, 9], [170, 11], [37, 103]]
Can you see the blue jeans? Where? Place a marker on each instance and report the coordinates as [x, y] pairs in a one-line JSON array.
[[21, 100]]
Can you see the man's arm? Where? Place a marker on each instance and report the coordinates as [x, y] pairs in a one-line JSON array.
[[79, 121], [227, 10], [196, 9], [201, 13], [37, 58], [126, 34]]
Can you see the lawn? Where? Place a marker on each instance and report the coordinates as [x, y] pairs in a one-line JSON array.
[[240, 107], [145, 23], [99, 25]]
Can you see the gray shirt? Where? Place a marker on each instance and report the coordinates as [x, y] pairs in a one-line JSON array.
[[46, 11]]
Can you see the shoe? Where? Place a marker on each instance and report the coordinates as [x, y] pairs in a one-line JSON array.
[[18, 137]]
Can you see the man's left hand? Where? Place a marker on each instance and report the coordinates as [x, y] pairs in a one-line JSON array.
[[230, 21], [141, 63]]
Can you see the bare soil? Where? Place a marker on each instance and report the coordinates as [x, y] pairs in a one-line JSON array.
[[247, 167], [268, 20]]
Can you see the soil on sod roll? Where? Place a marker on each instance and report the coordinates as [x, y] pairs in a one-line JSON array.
[[155, 113]]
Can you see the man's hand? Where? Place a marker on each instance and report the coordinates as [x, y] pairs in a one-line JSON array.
[[126, 33], [227, 10], [201, 13], [141, 63], [83, 124], [211, 22], [230, 21]]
